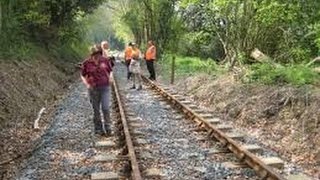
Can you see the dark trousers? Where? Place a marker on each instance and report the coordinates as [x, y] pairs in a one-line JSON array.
[[128, 71], [100, 96], [150, 67]]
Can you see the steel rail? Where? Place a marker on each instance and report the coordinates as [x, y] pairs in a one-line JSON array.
[[263, 170], [135, 173]]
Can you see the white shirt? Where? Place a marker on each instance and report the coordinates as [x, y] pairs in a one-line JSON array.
[[105, 53]]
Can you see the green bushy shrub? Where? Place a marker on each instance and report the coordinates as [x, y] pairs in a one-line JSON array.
[[293, 74], [190, 65]]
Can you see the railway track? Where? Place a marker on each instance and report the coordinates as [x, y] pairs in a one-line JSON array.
[[126, 140], [157, 134], [264, 167], [129, 139]]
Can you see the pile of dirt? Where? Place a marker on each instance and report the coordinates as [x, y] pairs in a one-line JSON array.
[[26, 87], [284, 118]]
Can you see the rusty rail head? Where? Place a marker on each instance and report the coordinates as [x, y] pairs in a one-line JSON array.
[[263, 170], [136, 174]]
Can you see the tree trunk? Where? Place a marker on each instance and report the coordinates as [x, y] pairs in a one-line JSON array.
[[0, 17]]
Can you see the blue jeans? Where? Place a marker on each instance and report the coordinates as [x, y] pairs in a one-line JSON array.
[[100, 96]]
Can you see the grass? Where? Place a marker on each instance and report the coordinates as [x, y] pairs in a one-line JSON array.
[[18, 51], [62, 55], [18, 46], [188, 66], [297, 74]]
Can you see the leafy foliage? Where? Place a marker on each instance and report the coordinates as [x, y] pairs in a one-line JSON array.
[[286, 32], [190, 65], [224, 30], [26, 26], [152, 20], [291, 74]]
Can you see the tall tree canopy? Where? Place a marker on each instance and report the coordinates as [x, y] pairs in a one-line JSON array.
[[224, 30], [44, 22], [286, 31], [227, 29]]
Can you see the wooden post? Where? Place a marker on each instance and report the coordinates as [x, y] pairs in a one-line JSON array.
[[172, 69]]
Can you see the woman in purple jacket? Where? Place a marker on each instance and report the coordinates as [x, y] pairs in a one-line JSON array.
[[95, 73]]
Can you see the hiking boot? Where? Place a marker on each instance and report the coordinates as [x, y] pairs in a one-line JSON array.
[[107, 128], [98, 132], [133, 87], [107, 133]]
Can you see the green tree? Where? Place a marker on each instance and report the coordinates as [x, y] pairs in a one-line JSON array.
[[285, 31], [42, 22]]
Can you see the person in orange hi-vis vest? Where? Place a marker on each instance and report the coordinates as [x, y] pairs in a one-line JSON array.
[[128, 57], [150, 57]]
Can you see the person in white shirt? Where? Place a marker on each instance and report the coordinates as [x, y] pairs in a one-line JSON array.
[[105, 48], [135, 66]]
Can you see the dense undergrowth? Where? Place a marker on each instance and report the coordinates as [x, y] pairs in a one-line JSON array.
[[189, 65], [296, 74], [261, 73]]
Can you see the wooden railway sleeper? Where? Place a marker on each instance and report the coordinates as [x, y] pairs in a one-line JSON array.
[[210, 132], [254, 162], [200, 124]]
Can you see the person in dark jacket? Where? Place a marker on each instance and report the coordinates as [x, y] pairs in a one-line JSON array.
[[150, 57], [95, 73]]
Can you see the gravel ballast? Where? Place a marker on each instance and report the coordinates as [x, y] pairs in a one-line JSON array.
[[178, 152], [175, 149], [67, 150]]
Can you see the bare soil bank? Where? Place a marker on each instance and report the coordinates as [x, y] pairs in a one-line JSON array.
[[25, 88]]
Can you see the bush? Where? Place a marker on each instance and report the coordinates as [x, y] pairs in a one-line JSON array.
[[293, 74], [187, 66], [200, 44], [21, 51]]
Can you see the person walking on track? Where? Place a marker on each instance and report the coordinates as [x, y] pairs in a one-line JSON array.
[[128, 57], [135, 67], [150, 57], [95, 73]]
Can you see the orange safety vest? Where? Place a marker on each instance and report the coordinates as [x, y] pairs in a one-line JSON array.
[[128, 53], [151, 53], [136, 54]]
